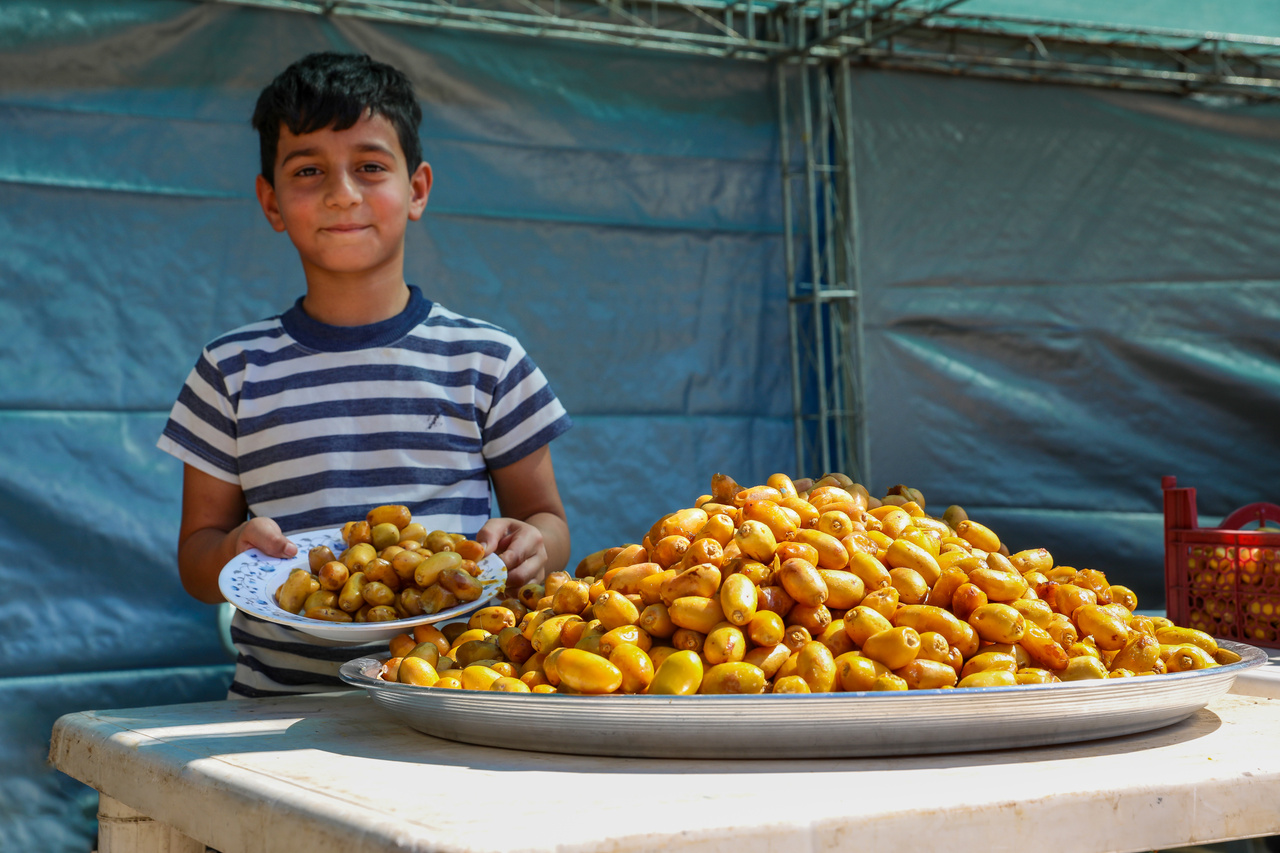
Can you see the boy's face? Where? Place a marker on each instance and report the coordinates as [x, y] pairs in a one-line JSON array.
[[345, 198]]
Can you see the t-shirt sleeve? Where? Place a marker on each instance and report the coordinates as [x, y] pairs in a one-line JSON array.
[[201, 430], [524, 413]]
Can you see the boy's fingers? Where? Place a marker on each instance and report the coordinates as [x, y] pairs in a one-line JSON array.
[[528, 568], [520, 577], [517, 544], [526, 543], [265, 535], [490, 535], [278, 546], [502, 536], [511, 557]]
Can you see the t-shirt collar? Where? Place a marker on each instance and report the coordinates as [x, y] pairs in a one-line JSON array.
[[322, 337]]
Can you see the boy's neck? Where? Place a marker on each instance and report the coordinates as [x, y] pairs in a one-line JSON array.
[[361, 302]]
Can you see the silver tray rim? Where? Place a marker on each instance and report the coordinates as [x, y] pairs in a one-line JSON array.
[[908, 722]]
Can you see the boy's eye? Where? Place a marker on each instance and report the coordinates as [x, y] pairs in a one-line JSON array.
[[306, 172], [372, 167]]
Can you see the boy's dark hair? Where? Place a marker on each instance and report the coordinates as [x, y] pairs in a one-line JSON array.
[[334, 90]]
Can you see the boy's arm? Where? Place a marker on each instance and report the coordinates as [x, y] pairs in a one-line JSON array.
[[214, 530], [532, 536]]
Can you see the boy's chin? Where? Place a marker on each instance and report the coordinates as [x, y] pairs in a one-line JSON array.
[[349, 265]]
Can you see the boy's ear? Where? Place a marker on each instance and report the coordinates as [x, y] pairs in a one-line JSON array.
[[420, 188], [270, 205]]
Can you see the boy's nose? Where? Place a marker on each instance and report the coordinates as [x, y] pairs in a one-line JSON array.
[[342, 191]]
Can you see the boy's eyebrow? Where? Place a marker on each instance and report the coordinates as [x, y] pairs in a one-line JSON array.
[[363, 147]]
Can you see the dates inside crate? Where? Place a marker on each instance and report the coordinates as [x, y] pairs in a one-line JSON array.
[[1224, 580]]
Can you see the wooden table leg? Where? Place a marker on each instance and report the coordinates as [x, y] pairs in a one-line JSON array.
[[123, 830]]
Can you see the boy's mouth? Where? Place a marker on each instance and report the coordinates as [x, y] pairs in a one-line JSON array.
[[346, 229]]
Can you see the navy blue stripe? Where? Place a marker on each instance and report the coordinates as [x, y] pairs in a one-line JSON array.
[[203, 411], [521, 413], [337, 516], [543, 436], [518, 373], [291, 677], [232, 365], [368, 373], [511, 381], [262, 358], [461, 323], [241, 335], [214, 376], [428, 408], [185, 438], [435, 346], [309, 484], [415, 344], [340, 654], [378, 441]]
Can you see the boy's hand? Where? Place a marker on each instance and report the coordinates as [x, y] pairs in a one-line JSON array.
[[519, 545], [214, 531], [265, 535], [532, 535]]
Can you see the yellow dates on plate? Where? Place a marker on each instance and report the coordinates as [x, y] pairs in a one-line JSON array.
[[392, 568]]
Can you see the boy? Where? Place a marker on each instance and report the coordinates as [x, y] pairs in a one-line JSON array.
[[364, 392]]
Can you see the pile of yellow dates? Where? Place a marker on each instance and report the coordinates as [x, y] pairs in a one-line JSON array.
[[392, 568], [774, 589]]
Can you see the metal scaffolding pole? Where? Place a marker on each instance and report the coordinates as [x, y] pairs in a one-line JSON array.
[[789, 263], [823, 319], [860, 450]]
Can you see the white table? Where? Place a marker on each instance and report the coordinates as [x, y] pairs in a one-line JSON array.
[[1260, 680], [332, 773]]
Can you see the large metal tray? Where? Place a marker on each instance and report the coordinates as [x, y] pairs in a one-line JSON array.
[[803, 726]]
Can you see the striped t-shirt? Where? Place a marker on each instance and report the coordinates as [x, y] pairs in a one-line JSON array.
[[318, 423]]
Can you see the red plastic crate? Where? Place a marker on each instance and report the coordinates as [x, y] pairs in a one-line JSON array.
[[1223, 580]]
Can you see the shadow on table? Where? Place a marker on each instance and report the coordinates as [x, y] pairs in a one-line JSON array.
[[438, 751]]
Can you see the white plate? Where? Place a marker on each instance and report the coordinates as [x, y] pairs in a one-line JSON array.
[[798, 725], [250, 582]]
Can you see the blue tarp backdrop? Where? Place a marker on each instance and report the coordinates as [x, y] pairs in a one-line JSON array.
[[1067, 295]]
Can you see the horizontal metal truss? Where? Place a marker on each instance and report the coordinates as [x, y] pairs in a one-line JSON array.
[[697, 27], [910, 35], [1038, 50]]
